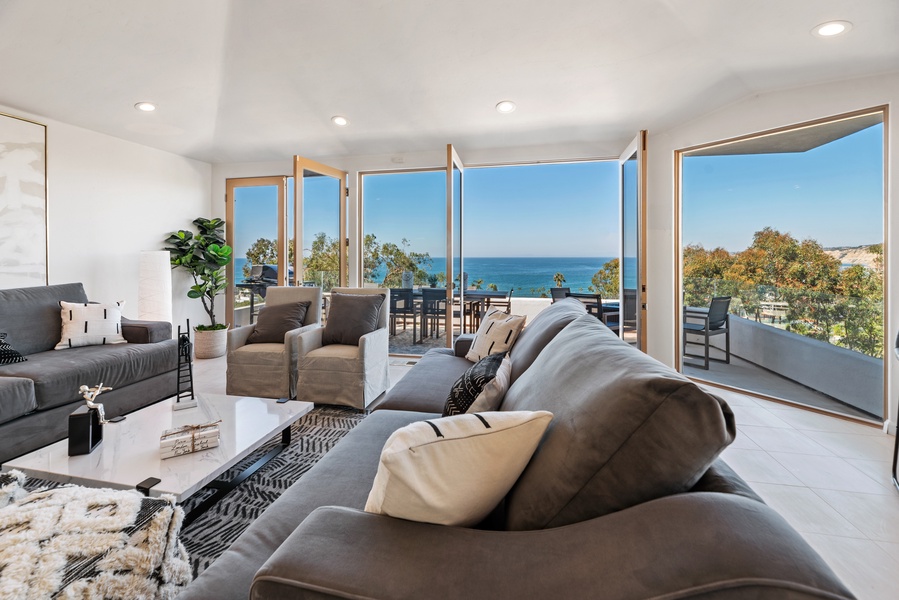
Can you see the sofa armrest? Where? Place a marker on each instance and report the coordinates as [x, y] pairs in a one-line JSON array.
[[462, 344], [700, 544], [145, 332], [238, 336]]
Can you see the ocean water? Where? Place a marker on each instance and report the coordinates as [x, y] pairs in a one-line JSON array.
[[528, 276]]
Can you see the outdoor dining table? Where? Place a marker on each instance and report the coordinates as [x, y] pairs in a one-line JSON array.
[[476, 303]]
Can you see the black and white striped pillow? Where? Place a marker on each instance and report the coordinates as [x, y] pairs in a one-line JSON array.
[[481, 388], [85, 324], [8, 354]]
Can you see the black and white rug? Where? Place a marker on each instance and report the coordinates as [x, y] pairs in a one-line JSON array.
[[213, 532]]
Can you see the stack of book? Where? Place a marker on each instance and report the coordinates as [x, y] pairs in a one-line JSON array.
[[189, 438]]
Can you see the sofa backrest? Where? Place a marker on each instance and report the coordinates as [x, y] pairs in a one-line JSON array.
[[539, 332], [626, 429], [30, 316]]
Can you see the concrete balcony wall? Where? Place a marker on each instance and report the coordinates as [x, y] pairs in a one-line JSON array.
[[848, 376]]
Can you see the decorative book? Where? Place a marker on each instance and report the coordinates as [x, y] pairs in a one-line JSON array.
[[188, 439]]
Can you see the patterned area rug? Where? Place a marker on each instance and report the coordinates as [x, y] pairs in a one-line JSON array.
[[212, 533]]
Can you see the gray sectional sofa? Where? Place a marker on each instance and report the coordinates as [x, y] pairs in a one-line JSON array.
[[625, 497], [37, 396]]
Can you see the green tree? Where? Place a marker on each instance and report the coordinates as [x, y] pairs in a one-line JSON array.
[[559, 279], [605, 282], [265, 252], [397, 259]]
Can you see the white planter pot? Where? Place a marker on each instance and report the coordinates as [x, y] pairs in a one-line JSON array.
[[210, 344]]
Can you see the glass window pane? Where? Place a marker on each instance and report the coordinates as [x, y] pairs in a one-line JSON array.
[[789, 226]]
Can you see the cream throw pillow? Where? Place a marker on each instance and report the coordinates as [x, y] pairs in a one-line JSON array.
[[497, 332], [454, 470], [90, 324]]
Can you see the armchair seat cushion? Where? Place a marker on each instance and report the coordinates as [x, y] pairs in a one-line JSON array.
[[334, 357], [263, 354]]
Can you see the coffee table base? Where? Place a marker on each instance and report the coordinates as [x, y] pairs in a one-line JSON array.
[[222, 488]]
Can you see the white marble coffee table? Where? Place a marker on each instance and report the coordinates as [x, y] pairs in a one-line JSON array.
[[130, 452]]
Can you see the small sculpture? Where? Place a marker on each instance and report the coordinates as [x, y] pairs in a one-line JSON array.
[[90, 396]]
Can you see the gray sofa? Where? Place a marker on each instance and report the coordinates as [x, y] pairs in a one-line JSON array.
[[37, 396], [624, 498]]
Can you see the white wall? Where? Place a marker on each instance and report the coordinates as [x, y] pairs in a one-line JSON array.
[[758, 113], [108, 200]]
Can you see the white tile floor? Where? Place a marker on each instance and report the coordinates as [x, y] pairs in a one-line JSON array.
[[829, 478]]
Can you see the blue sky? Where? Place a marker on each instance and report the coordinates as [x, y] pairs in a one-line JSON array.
[[833, 194], [533, 210]]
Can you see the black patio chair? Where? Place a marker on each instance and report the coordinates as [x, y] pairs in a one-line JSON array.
[[433, 310], [401, 307], [715, 321], [559, 293], [611, 318]]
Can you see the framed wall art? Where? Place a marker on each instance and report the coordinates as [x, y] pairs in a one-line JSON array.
[[23, 202]]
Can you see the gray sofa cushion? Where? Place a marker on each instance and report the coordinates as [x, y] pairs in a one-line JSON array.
[[342, 478], [426, 386], [16, 398], [145, 332], [57, 374], [627, 429], [31, 315], [539, 332]]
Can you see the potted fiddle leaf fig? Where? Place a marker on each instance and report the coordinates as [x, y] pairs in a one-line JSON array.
[[204, 255]]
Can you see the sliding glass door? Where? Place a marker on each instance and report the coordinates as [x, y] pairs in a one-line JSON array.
[[455, 272], [257, 227], [320, 212], [632, 169]]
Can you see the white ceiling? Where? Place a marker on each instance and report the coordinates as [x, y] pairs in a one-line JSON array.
[[242, 81]]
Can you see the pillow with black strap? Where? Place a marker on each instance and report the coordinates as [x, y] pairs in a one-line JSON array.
[[8, 354], [497, 332], [481, 388], [90, 324], [275, 321], [351, 316]]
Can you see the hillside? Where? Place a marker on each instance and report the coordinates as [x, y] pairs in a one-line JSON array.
[[853, 255]]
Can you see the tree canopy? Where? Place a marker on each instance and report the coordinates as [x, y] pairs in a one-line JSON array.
[[840, 306]]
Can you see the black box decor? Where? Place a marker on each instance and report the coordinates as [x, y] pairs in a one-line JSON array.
[[85, 430]]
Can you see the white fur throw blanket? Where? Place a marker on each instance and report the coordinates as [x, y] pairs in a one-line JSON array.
[[76, 542]]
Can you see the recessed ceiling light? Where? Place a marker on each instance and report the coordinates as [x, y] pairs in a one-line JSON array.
[[340, 121], [832, 28], [505, 107], [145, 106]]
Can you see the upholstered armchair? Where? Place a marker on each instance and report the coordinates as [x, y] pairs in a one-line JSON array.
[[346, 373], [270, 369]]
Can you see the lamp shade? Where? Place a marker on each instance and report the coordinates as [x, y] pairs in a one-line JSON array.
[[154, 294]]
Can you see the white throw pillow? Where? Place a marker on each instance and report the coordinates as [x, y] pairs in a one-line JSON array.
[[90, 324], [497, 332], [454, 470]]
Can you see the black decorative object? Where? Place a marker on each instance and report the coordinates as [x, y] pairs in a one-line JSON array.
[[185, 387], [85, 430], [895, 477]]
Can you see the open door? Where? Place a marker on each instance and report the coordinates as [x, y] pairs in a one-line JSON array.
[[455, 273], [320, 210], [632, 191], [256, 226]]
